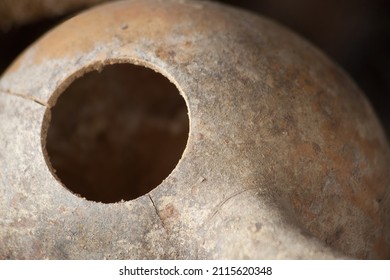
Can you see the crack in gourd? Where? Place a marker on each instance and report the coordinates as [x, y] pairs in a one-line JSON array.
[[157, 212], [24, 96]]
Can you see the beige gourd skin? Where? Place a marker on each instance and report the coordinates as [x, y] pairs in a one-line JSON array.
[[285, 157]]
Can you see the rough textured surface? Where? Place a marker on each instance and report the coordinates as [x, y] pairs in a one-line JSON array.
[[285, 158]]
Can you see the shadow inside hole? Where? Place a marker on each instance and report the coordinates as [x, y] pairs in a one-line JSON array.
[[117, 134]]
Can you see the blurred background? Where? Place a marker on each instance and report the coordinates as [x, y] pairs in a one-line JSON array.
[[354, 33]]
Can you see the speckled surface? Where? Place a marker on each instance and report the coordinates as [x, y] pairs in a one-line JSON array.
[[285, 158]]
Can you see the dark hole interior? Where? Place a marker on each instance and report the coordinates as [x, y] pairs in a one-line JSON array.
[[117, 134]]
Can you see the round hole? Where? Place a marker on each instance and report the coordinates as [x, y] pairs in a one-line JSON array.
[[116, 134]]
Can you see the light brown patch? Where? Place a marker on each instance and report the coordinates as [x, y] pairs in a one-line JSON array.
[[169, 212]]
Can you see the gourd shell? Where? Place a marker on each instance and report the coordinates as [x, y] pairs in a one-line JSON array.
[[285, 157]]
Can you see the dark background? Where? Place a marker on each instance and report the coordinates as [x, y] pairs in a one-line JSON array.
[[354, 33]]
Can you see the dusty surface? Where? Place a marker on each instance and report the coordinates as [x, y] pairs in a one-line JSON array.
[[285, 158]]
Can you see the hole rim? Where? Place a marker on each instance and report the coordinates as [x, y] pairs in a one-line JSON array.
[[99, 66]]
